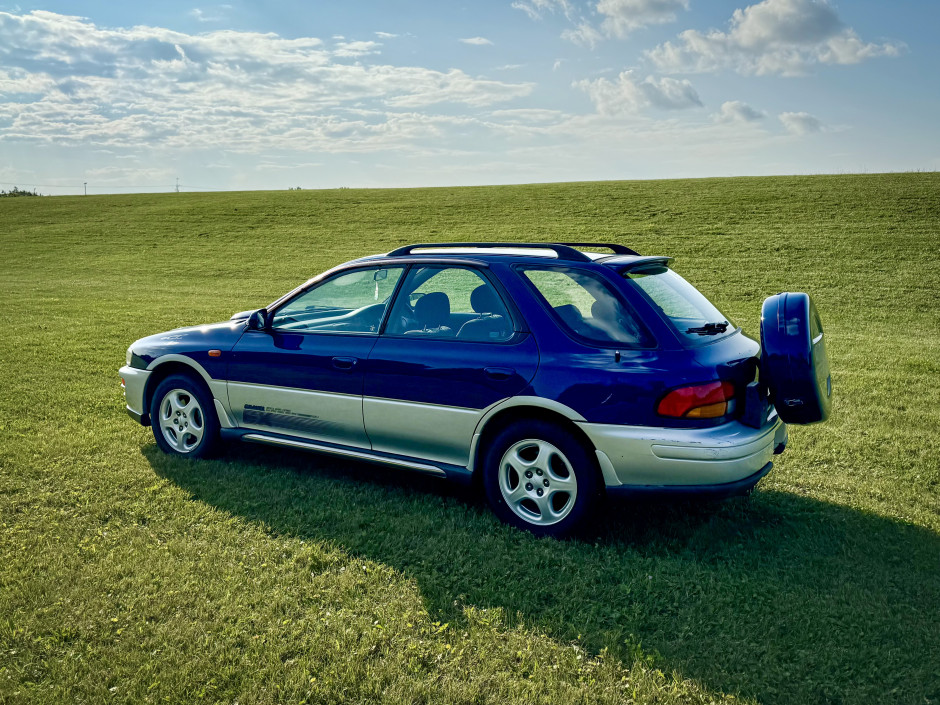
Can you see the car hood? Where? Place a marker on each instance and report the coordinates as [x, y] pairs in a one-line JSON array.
[[192, 341]]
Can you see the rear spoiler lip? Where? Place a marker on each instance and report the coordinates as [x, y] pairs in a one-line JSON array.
[[626, 264]]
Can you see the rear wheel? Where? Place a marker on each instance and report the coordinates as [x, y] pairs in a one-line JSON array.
[[538, 477], [183, 418]]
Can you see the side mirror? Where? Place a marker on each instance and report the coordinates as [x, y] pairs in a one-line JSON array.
[[258, 320]]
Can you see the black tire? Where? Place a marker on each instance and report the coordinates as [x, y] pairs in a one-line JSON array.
[[183, 418], [794, 362], [557, 511]]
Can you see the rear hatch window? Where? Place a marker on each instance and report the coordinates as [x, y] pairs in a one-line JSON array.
[[693, 316]]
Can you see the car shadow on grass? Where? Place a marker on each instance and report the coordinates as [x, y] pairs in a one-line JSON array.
[[780, 597]]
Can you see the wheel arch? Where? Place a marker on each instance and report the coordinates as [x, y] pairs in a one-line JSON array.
[[163, 367], [520, 408]]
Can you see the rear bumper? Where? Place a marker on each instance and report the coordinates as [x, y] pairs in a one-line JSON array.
[[134, 382], [719, 491], [685, 459]]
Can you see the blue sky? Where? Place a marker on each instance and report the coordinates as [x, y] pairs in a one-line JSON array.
[[247, 95]]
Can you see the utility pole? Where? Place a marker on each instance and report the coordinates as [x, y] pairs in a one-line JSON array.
[[86, 188], [177, 184]]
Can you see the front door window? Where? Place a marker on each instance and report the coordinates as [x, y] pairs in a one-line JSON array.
[[350, 302]]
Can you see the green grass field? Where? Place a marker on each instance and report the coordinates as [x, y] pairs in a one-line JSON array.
[[267, 576]]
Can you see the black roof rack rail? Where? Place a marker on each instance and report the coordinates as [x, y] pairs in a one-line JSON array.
[[563, 250]]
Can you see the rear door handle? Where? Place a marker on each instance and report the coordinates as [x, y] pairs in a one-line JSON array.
[[344, 363], [499, 372]]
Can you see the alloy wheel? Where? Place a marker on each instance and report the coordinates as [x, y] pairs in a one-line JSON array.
[[182, 420], [537, 482]]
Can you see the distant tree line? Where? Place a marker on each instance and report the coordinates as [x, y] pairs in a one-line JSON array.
[[17, 191]]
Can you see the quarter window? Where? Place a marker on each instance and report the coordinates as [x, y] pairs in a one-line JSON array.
[[587, 307], [351, 302]]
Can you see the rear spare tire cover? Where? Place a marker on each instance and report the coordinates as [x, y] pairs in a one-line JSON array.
[[794, 363]]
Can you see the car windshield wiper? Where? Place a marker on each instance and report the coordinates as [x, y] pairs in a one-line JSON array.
[[710, 328]]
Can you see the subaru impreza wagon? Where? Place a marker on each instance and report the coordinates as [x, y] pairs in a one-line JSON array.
[[549, 374]]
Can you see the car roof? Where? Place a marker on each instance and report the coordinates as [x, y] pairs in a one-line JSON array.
[[525, 252]]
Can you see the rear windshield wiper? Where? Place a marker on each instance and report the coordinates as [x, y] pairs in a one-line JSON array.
[[710, 328]]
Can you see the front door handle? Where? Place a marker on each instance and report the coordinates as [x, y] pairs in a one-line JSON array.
[[499, 373], [344, 363]]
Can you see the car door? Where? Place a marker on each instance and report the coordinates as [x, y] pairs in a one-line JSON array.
[[448, 353], [302, 376]]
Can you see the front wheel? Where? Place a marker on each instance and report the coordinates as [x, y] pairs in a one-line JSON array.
[[538, 477], [183, 418]]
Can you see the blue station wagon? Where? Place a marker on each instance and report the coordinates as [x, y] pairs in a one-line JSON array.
[[547, 373]]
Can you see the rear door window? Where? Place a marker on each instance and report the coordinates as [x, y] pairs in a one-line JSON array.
[[450, 303], [586, 307]]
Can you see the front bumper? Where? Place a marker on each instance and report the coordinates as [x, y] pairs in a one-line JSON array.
[[683, 459], [134, 382]]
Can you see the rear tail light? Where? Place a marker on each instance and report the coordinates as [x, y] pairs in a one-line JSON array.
[[702, 401]]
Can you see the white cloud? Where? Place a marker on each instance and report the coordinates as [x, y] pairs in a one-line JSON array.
[[130, 175], [477, 41], [385, 35], [291, 165], [621, 17], [584, 34], [628, 95], [527, 115], [596, 21], [213, 14], [430, 88], [800, 123], [66, 81], [536, 9], [771, 37], [736, 111], [528, 9], [355, 49], [20, 81]]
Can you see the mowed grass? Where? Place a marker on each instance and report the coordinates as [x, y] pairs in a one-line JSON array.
[[266, 576]]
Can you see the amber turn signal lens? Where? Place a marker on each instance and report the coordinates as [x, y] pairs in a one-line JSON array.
[[215, 353], [709, 411]]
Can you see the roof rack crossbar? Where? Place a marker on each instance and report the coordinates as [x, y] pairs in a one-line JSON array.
[[563, 250]]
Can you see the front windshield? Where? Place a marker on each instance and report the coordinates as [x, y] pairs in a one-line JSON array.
[[690, 313]]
